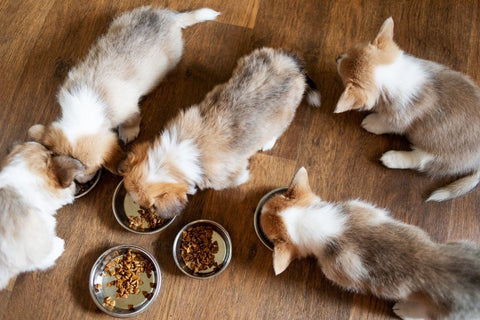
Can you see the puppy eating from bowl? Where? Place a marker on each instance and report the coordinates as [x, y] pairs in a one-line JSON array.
[[209, 144], [34, 183]]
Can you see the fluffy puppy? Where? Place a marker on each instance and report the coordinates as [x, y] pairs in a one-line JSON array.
[[361, 248], [209, 145], [33, 185], [436, 108], [103, 91]]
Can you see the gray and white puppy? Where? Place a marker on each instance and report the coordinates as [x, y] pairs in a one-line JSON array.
[[209, 145], [361, 248], [103, 91], [436, 108]]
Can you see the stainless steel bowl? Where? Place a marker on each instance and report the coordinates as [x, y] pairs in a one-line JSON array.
[[222, 257], [134, 303], [124, 207], [256, 218], [84, 188]]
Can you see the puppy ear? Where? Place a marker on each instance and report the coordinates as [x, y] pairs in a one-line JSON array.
[[66, 169], [282, 256], [351, 98], [170, 199], [36, 132], [385, 35], [299, 184]]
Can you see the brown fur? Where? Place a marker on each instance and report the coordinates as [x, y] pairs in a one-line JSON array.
[[374, 253]]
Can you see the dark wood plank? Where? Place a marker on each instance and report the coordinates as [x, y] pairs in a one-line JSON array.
[[41, 40]]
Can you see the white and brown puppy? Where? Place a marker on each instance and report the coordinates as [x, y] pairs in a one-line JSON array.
[[436, 108], [209, 145], [103, 91], [33, 185], [361, 248]]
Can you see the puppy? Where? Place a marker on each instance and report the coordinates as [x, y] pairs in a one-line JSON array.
[[103, 91], [361, 248], [209, 145], [33, 185], [436, 108]]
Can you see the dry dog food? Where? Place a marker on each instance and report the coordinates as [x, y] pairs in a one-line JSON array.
[[127, 269], [198, 251], [146, 219]]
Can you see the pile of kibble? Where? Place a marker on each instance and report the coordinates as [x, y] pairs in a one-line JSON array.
[[198, 250]]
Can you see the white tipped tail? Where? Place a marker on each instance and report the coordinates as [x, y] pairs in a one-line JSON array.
[[188, 18], [457, 188], [313, 95]]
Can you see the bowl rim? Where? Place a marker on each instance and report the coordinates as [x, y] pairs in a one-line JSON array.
[[116, 214], [225, 237], [156, 291], [96, 178], [256, 217]]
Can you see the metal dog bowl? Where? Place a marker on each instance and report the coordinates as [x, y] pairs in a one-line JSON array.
[[104, 285], [125, 209], [256, 218], [222, 257], [82, 189]]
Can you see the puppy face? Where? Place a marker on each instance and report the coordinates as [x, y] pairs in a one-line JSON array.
[[356, 67], [168, 199], [298, 194], [93, 151], [57, 171]]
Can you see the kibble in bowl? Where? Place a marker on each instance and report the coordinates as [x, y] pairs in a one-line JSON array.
[[202, 249], [124, 281], [134, 218]]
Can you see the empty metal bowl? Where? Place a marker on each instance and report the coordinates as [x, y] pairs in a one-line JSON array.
[[256, 218], [108, 277], [82, 189], [222, 257], [129, 214]]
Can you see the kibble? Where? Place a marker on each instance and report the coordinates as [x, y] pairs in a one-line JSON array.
[[146, 219], [198, 251]]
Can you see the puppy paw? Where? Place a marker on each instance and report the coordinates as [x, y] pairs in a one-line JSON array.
[[243, 177], [395, 160], [375, 124], [409, 310], [269, 145], [129, 133]]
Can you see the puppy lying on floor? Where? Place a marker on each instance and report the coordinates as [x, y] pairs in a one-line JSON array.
[[34, 183], [209, 145], [103, 91], [436, 108], [361, 248]]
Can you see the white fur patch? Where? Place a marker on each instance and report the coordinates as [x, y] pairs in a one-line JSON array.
[[32, 188], [83, 113], [171, 152], [415, 159], [311, 227], [401, 80], [377, 215]]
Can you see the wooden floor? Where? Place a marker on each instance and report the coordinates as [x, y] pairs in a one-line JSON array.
[[41, 40]]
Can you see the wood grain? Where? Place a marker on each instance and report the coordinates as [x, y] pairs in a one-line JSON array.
[[41, 40]]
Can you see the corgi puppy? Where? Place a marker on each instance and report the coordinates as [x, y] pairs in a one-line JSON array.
[[103, 91], [361, 248], [436, 108], [209, 145], [34, 183]]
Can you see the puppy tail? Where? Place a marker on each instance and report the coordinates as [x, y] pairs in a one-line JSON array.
[[188, 18], [457, 188], [312, 93]]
